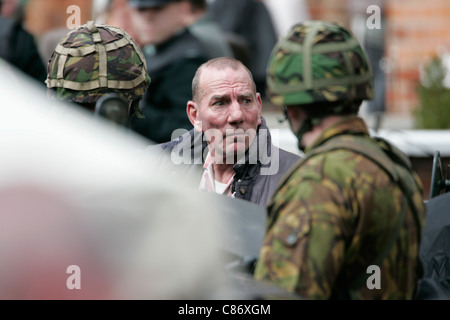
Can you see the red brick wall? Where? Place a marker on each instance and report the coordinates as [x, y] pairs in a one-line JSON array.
[[43, 15], [332, 10], [417, 29]]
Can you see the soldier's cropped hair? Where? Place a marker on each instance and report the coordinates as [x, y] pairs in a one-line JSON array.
[[198, 5], [323, 109]]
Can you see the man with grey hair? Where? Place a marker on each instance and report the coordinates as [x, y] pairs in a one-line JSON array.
[[230, 139]]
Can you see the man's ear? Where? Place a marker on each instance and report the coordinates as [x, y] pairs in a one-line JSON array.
[[259, 102], [193, 115]]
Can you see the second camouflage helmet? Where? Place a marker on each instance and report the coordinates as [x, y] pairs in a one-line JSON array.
[[93, 60], [316, 62]]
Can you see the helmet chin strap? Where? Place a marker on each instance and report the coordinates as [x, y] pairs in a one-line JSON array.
[[306, 126]]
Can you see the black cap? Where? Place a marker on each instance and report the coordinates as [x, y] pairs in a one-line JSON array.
[[142, 4]]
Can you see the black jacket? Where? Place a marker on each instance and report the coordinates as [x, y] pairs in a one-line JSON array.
[[18, 47], [255, 180], [171, 67], [435, 251], [251, 21]]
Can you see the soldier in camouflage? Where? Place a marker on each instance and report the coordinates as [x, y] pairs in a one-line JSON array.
[[101, 68], [346, 221]]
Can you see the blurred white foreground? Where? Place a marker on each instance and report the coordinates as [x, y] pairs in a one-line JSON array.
[[75, 191]]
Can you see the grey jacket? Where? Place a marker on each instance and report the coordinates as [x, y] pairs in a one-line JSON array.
[[255, 180]]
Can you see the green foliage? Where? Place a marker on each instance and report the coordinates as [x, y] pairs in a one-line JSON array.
[[433, 111]]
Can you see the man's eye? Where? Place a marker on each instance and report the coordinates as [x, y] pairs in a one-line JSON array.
[[246, 101], [217, 103]]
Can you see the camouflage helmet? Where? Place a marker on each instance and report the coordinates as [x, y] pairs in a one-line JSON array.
[[93, 60], [316, 62]]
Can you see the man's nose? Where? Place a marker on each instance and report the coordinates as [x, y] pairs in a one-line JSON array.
[[235, 114]]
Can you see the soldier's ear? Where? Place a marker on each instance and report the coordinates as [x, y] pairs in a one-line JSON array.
[[193, 113], [259, 102]]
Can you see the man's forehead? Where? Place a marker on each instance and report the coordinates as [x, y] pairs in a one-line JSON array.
[[213, 79], [225, 72]]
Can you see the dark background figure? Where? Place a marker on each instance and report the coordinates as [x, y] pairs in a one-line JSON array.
[[13, 9], [18, 47], [208, 31], [435, 251], [173, 55], [370, 24], [250, 20], [374, 42]]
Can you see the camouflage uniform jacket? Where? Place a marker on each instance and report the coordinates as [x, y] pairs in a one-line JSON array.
[[333, 217]]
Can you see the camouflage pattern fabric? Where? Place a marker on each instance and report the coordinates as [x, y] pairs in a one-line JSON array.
[[91, 61], [331, 218], [318, 61]]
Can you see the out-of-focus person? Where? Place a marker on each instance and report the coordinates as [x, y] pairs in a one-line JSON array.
[[100, 68], [286, 15], [18, 46], [251, 20], [208, 31], [347, 220], [13, 9], [173, 55], [117, 13], [369, 25]]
